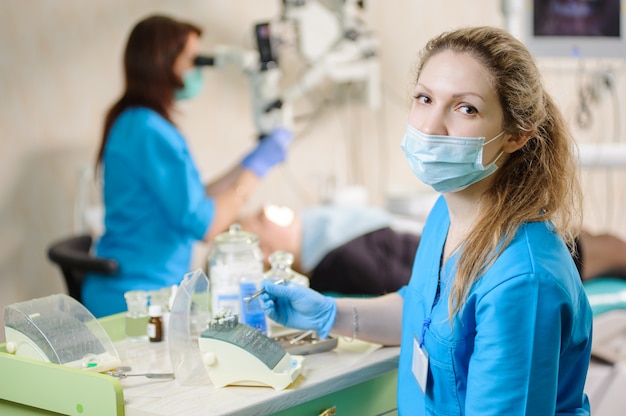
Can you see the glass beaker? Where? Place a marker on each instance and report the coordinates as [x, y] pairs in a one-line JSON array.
[[136, 315]]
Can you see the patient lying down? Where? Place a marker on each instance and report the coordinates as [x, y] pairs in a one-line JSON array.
[[354, 250]]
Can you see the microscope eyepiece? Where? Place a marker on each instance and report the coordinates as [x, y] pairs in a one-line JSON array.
[[202, 60]]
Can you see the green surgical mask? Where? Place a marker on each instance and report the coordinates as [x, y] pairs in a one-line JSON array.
[[192, 84]]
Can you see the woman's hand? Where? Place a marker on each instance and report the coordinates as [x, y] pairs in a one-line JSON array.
[[299, 307], [270, 151]]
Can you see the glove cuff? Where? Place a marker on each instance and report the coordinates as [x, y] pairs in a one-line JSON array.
[[250, 162], [329, 322]]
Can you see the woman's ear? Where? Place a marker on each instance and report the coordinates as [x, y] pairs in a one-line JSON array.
[[515, 142]]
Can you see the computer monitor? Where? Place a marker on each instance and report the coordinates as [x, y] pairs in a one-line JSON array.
[[576, 28]]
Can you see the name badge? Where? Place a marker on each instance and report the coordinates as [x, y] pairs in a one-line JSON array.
[[420, 365]]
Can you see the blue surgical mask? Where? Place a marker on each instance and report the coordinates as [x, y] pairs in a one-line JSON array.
[[447, 163], [192, 84]]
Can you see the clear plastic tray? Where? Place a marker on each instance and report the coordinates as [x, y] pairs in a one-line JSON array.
[[58, 329]]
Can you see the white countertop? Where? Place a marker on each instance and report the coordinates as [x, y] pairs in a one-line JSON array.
[[323, 373]]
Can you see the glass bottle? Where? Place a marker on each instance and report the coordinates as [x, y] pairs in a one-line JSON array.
[[162, 297], [251, 311], [280, 270], [234, 255], [155, 324]]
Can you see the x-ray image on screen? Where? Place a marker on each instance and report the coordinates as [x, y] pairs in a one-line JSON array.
[[577, 18], [575, 28]]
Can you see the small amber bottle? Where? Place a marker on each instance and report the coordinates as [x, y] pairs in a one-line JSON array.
[[155, 323]]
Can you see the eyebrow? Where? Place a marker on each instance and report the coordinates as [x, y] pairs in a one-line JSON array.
[[457, 95], [472, 94]]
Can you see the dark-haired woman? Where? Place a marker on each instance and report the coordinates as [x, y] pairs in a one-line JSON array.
[[156, 205]]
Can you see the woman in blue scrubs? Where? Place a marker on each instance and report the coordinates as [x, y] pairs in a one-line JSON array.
[[494, 320], [156, 206]]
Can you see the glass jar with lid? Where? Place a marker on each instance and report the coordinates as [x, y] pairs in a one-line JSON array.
[[235, 255]]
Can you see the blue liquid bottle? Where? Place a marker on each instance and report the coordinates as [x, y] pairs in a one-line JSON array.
[[251, 312]]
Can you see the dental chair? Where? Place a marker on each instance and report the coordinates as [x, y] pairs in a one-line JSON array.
[[74, 258]]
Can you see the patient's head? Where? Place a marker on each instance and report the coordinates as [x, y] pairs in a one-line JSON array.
[[278, 228]]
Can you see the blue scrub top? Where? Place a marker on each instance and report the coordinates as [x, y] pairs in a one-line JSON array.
[[155, 209], [521, 344]]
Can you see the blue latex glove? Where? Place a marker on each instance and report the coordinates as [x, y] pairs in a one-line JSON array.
[[271, 150], [297, 306]]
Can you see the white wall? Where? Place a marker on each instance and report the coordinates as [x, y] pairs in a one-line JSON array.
[[60, 68]]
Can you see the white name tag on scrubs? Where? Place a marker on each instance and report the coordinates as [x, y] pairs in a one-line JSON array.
[[420, 365]]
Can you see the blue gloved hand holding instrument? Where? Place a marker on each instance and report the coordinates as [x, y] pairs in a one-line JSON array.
[[270, 151], [297, 306]]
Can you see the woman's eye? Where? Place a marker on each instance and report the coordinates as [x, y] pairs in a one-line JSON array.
[[468, 109], [423, 99]]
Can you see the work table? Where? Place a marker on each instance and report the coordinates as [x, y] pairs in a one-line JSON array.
[[354, 378], [323, 373]]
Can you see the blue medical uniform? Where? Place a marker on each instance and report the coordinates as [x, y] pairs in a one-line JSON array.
[[521, 344], [156, 208]]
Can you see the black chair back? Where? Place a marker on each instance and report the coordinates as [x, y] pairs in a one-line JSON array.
[[74, 258]]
